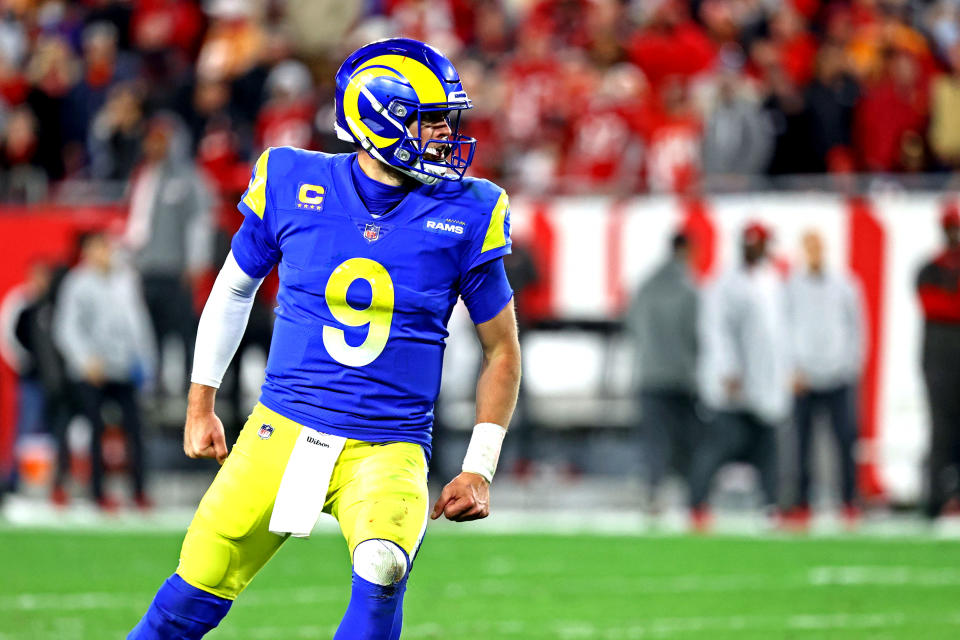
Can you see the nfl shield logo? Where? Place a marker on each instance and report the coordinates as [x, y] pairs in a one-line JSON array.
[[371, 232], [265, 431]]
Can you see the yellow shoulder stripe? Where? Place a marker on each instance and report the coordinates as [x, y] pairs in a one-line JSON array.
[[256, 195], [496, 236]]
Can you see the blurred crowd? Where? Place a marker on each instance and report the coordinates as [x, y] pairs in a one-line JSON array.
[[571, 95], [725, 367]]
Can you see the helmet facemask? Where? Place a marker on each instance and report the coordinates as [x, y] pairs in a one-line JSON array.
[[431, 158]]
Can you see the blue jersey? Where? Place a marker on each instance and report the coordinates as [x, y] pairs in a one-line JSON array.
[[364, 302]]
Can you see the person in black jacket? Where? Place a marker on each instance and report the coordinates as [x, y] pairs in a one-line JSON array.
[[45, 399], [938, 286]]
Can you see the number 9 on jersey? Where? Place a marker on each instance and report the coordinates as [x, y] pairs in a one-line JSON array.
[[379, 315]]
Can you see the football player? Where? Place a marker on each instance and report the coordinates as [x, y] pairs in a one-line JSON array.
[[373, 248]]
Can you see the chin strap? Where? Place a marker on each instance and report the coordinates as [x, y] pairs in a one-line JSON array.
[[426, 175]]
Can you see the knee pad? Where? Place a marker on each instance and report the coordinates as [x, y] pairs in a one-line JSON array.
[[380, 561]]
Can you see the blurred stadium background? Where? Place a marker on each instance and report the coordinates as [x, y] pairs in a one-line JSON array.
[[613, 124]]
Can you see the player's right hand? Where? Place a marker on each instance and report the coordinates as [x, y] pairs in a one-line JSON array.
[[203, 437], [466, 497]]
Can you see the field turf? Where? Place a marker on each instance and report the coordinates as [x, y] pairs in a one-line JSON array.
[[96, 585]]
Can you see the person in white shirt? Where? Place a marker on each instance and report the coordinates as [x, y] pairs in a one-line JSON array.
[[745, 372], [827, 341]]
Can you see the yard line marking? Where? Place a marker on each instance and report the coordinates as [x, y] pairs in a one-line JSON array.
[[656, 627], [69, 602], [846, 621], [26, 514], [661, 627], [817, 576], [843, 575], [126, 600], [849, 576], [587, 630]]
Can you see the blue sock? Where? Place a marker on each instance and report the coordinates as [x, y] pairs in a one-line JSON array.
[[398, 616], [180, 610], [374, 612]]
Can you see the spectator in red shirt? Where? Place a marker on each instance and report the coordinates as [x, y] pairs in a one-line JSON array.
[[13, 84], [533, 80], [795, 44], [605, 150], [891, 113], [938, 286], [565, 19], [167, 35], [673, 141], [671, 44], [164, 24]]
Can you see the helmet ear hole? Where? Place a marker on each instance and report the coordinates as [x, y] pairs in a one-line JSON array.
[[399, 109]]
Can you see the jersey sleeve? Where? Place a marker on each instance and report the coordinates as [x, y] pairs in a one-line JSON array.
[[494, 239], [255, 246], [486, 291]]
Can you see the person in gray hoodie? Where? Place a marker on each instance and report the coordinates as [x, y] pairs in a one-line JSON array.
[[170, 231], [662, 321], [103, 332]]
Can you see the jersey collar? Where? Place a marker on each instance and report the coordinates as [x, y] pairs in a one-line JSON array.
[[355, 202]]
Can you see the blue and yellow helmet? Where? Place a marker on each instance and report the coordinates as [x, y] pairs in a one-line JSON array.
[[384, 92]]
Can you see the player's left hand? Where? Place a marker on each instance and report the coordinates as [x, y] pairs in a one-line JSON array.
[[466, 497]]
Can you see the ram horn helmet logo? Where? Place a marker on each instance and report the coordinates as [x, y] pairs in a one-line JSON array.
[[265, 431]]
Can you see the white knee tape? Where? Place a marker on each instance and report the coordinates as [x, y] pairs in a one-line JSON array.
[[380, 562]]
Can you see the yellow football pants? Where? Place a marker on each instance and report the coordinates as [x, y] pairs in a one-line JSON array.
[[376, 491]]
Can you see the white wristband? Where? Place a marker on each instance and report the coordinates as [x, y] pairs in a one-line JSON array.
[[484, 450]]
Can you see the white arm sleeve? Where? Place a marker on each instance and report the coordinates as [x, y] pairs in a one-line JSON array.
[[222, 323]]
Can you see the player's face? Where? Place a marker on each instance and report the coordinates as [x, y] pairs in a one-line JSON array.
[[434, 125]]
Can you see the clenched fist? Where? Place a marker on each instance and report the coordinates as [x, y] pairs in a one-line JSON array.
[[466, 497], [203, 432]]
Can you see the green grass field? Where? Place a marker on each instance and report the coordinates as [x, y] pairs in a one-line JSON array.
[[96, 585]]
